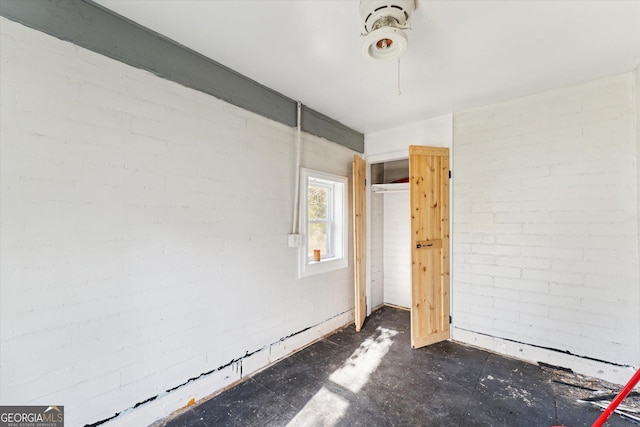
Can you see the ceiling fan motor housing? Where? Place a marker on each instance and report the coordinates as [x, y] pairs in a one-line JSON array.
[[384, 22]]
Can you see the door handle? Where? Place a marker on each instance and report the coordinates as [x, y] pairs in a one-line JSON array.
[[419, 245]]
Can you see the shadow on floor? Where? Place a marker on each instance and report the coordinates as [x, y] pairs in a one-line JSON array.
[[375, 378]]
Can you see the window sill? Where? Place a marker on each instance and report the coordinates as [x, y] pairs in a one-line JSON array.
[[323, 266], [312, 262]]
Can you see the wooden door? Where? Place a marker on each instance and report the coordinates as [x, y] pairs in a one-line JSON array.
[[359, 240], [429, 200]]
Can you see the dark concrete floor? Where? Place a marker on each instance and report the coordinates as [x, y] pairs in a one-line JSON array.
[[374, 378]]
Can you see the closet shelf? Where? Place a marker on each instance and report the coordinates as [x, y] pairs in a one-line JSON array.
[[390, 188]]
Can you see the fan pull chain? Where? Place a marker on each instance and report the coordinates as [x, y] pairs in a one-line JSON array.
[[399, 91]]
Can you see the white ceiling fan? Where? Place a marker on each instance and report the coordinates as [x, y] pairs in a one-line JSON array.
[[384, 23]]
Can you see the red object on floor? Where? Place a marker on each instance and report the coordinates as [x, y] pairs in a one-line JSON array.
[[619, 398]]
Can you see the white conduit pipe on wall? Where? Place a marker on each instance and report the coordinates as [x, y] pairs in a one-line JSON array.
[[296, 207]]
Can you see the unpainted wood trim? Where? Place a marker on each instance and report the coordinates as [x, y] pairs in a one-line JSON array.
[[359, 247], [428, 151]]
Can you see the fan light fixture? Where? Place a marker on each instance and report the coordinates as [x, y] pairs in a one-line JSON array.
[[384, 22]]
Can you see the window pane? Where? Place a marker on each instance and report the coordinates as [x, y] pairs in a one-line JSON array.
[[317, 202], [323, 222], [318, 238]]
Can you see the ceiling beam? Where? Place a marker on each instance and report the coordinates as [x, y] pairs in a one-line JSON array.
[[93, 27]]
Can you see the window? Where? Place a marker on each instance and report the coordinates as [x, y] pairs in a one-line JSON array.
[[323, 216]]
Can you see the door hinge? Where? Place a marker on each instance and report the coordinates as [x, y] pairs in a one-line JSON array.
[[450, 320], [449, 174]]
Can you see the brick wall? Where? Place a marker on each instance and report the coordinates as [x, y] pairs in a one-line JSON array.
[[637, 125], [144, 232], [545, 218]]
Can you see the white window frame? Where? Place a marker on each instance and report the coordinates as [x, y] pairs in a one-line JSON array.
[[338, 217]]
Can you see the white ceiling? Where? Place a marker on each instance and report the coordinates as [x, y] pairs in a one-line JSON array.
[[461, 54]]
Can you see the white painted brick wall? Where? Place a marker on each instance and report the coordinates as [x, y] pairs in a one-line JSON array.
[[143, 231], [636, 94], [545, 220], [637, 126]]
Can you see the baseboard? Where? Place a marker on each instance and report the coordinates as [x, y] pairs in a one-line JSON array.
[[399, 307], [592, 368], [203, 388]]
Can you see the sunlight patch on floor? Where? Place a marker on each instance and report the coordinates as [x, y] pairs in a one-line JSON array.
[[355, 372], [324, 409]]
